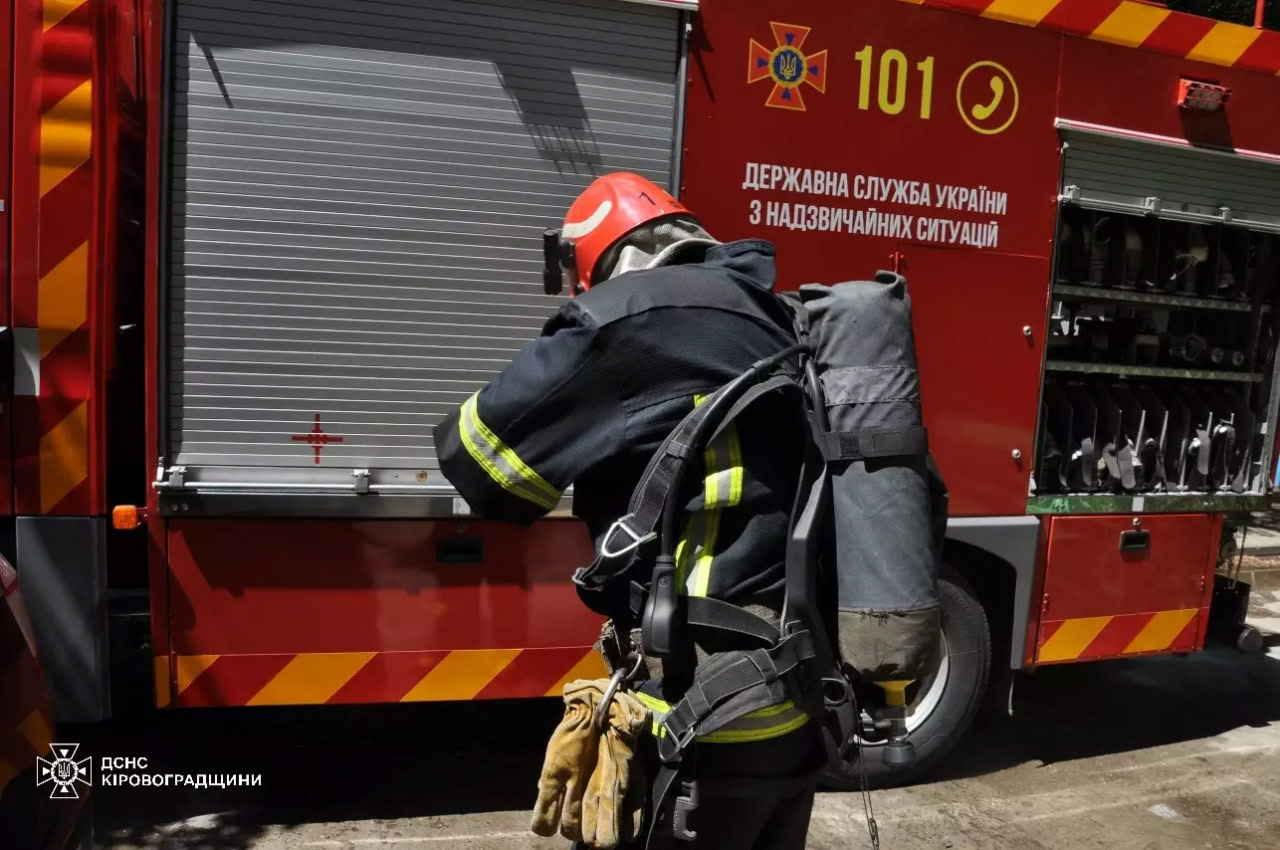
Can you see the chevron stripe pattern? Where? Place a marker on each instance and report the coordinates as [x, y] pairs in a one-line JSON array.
[[313, 678], [1090, 638], [1135, 24], [51, 294]]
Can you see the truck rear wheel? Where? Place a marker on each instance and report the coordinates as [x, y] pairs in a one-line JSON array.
[[941, 706]]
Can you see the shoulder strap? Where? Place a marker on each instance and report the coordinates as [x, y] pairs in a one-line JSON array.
[[644, 512]]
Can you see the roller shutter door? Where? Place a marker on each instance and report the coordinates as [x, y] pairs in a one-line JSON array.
[[1106, 170], [357, 194]]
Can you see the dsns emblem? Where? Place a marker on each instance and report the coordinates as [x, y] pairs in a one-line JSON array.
[[787, 66]]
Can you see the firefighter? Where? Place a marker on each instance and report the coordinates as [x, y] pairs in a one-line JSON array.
[[662, 316]]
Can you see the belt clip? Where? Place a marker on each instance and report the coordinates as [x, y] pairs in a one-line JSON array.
[[685, 804]]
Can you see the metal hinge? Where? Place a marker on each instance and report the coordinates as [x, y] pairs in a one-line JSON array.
[[1151, 204], [360, 480], [1070, 195], [1225, 214], [173, 478]]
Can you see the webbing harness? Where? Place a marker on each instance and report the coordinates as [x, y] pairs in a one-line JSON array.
[[795, 661]]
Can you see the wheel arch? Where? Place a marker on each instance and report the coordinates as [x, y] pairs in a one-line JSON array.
[[997, 557]]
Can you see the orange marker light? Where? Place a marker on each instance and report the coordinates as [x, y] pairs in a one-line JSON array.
[[1206, 97], [126, 517]]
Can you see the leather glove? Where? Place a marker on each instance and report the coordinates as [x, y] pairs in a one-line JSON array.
[[570, 759], [613, 807]]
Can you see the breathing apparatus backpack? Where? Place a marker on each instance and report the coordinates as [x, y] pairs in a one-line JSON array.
[[867, 522]]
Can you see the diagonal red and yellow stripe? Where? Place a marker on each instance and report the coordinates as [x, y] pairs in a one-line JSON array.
[[51, 287], [1133, 23], [313, 678], [1090, 638]]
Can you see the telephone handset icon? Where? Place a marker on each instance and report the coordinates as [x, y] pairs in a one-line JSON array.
[[1001, 104], [982, 112]]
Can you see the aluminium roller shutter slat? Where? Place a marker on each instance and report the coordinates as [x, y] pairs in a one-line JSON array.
[[1120, 172], [357, 194]]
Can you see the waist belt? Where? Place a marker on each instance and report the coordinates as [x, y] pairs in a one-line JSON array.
[[726, 688], [731, 685]]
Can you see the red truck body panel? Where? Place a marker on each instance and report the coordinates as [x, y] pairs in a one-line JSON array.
[[6, 221], [279, 611], [338, 611], [64, 146], [1100, 601]]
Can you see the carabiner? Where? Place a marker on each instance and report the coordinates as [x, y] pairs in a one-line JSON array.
[[621, 678]]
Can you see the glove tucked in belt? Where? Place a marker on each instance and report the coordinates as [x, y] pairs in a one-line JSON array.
[[592, 784]]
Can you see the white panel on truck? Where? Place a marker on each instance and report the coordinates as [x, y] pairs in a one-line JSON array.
[[1111, 170], [357, 194]]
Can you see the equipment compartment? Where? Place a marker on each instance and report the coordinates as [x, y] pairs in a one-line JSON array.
[[1126, 585], [1160, 353]]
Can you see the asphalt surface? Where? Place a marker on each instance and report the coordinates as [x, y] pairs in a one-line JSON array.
[[1157, 753]]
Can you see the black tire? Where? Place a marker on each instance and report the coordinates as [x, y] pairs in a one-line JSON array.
[[964, 625]]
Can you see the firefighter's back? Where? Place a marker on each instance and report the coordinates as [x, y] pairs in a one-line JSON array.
[[672, 336]]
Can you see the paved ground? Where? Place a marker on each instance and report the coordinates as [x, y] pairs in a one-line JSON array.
[[1162, 753]]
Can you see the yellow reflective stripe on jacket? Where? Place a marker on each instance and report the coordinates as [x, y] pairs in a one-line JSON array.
[[722, 487], [501, 463], [760, 725]]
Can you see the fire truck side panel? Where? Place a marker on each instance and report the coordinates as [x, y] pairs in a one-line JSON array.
[[319, 178], [1114, 87], [375, 611], [983, 427], [349, 243], [919, 177], [356, 202], [63, 210], [6, 268], [152, 46], [1155, 29], [1126, 585], [897, 100]]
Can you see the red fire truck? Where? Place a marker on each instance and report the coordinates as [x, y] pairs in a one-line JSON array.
[[257, 248]]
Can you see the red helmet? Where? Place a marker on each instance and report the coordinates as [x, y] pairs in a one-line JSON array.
[[611, 207]]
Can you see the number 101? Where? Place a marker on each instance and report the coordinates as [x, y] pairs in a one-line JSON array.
[[891, 88]]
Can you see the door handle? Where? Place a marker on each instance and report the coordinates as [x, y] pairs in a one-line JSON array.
[[1135, 541]]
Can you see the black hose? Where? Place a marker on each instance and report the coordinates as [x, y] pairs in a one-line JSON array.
[[719, 406]]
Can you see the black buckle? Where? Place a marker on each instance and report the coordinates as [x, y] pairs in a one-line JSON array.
[[671, 746], [686, 803]]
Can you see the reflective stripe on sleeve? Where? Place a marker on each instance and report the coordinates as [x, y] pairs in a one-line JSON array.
[[501, 463]]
